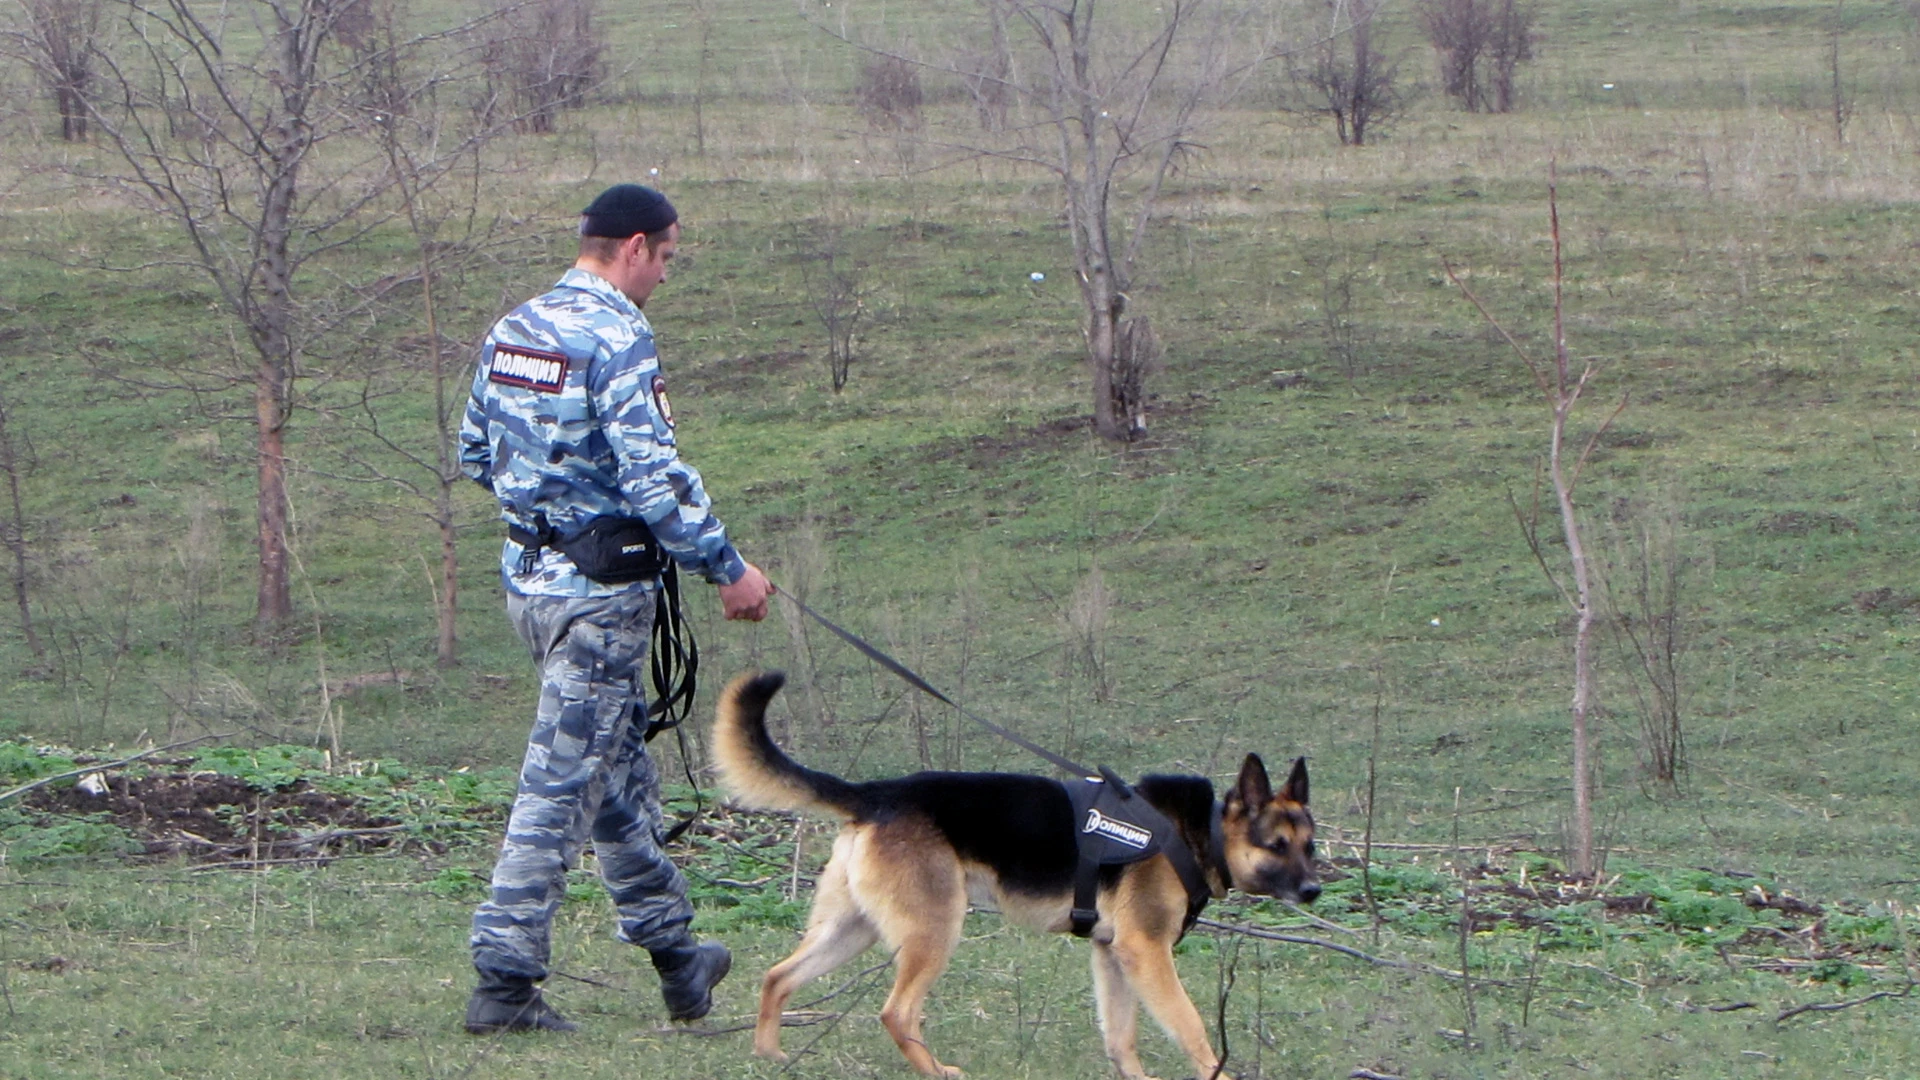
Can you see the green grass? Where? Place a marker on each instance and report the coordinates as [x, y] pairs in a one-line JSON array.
[[360, 967], [1281, 564]]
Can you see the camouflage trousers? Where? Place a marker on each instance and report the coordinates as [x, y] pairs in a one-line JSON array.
[[586, 774]]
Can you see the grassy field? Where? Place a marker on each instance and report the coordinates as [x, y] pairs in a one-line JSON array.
[[1312, 569]]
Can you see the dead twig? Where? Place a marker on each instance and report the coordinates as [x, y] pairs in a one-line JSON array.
[[317, 859], [1229, 972], [588, 981], [1345, 950], [704, 1032], [849, 984], [85, 769], [1295, 909], [1836, 1006], [1602, 972], [860, 984]]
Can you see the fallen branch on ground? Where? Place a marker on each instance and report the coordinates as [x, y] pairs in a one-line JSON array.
[[1316, 920], [85, 769], [1345, 950], [316, 859], [1836, 1006], [1602, 972]]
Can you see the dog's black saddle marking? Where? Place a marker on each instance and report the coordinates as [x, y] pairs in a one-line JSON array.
[[1114, 825]]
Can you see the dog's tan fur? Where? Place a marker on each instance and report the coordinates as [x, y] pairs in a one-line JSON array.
[[897, 878]]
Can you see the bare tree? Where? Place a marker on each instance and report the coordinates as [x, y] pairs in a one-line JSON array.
[[449, 240], [1480, 45], [1112, 103], [1458, 31], [234, 187], [215, 115], [1338, 264], [985, 72], [1563, 387], [437, 172], [16, 459], [838, 295], [702, 11], [1649, 575], [1138, 357], [57, 39], [542, 56], [372, 31], [1346, 76], [1508, 46], [888, 93], [1838, 24]]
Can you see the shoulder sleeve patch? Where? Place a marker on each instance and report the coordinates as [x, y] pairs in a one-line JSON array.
[[530, 369], [660, 402]]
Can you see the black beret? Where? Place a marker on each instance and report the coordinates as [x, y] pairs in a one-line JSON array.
[[625, 209]]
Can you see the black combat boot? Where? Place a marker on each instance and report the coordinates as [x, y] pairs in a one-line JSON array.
[[505, 1002], [688, 973]]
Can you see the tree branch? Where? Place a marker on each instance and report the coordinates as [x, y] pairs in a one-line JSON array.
[[85, 769]]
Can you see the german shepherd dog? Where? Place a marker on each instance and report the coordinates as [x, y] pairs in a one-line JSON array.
[[913, 851]]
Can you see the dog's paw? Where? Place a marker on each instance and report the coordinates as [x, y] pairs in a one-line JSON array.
[[773, 1054]]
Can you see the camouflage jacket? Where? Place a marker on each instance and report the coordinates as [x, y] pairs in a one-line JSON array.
[[569, 418]]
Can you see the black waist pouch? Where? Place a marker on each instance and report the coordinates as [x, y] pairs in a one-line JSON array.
[[615, 551]]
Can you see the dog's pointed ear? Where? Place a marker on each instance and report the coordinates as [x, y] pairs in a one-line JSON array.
[[1253, 789], [1296, 789]]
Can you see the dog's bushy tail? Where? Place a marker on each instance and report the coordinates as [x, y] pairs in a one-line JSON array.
[[759, 773]]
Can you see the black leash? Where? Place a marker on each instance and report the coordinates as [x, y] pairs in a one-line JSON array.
[[1118, 828], [927, 688], [674, 657], [675, 666]]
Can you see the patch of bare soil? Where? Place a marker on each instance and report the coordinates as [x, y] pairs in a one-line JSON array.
[[988, 451], [212, 818], [1145, 457]]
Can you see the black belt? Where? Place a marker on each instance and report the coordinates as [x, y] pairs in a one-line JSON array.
[[622, 551]]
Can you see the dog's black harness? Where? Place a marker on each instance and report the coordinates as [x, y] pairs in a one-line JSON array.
[[1113, 826]]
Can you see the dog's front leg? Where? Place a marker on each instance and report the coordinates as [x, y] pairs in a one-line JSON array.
[[1147, 963], [1119, 1009]]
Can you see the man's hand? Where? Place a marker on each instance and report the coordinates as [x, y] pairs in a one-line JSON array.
[[747, 597]]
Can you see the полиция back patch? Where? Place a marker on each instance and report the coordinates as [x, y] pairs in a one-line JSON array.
[[532, 369]]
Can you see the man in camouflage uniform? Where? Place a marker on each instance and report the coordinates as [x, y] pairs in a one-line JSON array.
[[568, 422]]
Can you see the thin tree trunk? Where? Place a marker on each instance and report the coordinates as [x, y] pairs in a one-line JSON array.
[[1582, 654], [1563, 390], [700, 80], [1088, 180], [286, 148], [447, 605], [274, 604], [16, 537], [448, 648], [1103, 320], [1567, 395]]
